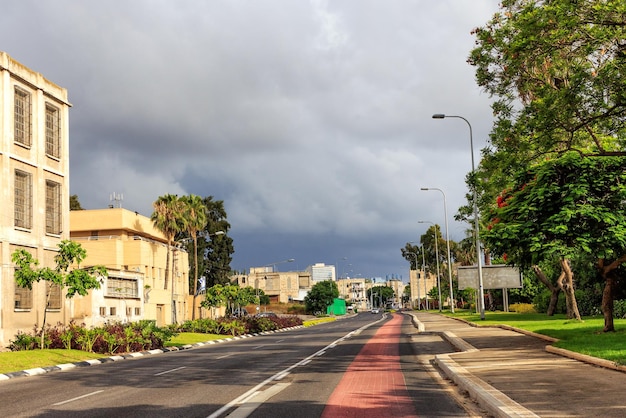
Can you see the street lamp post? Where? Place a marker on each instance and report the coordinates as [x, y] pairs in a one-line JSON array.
[[445, 214], [481, 297], [273, 265], [437, 259]]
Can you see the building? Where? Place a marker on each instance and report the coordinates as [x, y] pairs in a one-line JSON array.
[[134, 253], [34, 166], [283, 287], [420, 286], [354, 291], [320, 272]]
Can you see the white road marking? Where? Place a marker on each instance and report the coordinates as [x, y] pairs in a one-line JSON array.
[[268, 393], [77, 398], [169, 371]]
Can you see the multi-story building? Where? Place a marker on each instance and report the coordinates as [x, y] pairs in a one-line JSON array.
[[354, 291], [134, 253], [421, 284], [320, 272], [34, 190], [281, 287]]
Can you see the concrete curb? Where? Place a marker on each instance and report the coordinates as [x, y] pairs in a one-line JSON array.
[[69, 366]]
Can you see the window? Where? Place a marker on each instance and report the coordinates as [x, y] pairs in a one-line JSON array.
[[137, 311], [122, 288], [112, 311], [54, 302], [23, 297], [22, 117], [53, 207], [103, 311], [23, 200], [53, 128]]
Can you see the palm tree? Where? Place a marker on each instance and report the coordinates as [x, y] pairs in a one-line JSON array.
[[167, 219], [195, 216]]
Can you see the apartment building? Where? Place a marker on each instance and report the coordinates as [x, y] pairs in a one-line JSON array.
[[134, 253], [281, 287], [34, 190]]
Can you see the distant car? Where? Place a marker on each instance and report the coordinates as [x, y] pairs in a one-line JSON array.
[[266, 315], [375, 310]]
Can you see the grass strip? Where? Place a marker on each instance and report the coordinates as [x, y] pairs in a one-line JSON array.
[[585, 337]]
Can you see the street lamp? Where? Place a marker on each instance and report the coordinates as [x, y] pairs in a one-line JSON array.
[[481, 301], [436, 258], [445, 214], [419, 298], [273, 265]]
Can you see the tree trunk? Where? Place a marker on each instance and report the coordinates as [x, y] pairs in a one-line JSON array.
[[608, 292], [167, 264], [607, 304], [554, 290], [568, 289]]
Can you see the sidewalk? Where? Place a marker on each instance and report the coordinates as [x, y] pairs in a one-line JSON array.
[[511, 374]]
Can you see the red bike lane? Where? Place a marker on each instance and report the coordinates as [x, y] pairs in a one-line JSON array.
[[373, 385]]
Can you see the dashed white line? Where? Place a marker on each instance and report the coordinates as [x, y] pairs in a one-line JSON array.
[[77, 398]]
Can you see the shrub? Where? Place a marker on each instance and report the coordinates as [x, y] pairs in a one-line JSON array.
[[619, 309], [522, 308], [23, 342]]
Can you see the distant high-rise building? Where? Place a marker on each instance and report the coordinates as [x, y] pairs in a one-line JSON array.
[[320, 272]]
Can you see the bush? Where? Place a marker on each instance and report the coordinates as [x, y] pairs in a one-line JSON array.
[[522, 308], [23, 342], [110, 338], [619, 309]]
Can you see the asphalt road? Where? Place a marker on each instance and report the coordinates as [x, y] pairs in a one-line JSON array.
[[283, 374]]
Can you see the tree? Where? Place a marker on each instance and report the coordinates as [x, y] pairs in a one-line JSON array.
[[194, 213], [76, 281], [321, 296], [215, 253], [380, 295], [556, 69], [565, 208], [167, 219], [74, 203]]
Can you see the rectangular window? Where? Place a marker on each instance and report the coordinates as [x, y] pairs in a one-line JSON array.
[[53, 131], [53, 207], [54, 301], [22, 117], [23, 197], [112, 311], [23, 297], [122, 288], [137, 311], [129, 311], [103, 311]]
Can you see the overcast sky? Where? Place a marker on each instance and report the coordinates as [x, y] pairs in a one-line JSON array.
[[311, 120]]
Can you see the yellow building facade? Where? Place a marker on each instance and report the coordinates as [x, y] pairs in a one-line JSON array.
[[34, 214], [134, 253]]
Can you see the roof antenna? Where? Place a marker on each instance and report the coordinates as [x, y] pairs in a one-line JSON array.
[[117, 199]]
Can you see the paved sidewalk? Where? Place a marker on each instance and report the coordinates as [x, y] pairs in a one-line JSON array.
[[511, 374]]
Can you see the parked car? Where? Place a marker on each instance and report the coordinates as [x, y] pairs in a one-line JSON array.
[[266, 315], [375, 310], [239, 313]]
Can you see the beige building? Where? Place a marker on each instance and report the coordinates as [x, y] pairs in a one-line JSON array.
[[354, 291], [283, 287], [421, 287], [34, 215], [134, 253]]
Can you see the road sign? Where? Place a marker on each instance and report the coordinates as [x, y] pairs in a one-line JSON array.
[[494, 277]]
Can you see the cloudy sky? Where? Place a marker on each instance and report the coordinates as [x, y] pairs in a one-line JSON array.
[[311, 120]]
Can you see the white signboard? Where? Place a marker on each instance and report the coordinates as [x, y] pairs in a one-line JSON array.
[[494, 277]]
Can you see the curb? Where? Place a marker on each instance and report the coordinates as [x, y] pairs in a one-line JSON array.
[[68, 366]]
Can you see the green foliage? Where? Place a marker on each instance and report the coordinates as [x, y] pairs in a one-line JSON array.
[[620, 309], [321, 296], [522, 308], [23, 341], [75, 281]]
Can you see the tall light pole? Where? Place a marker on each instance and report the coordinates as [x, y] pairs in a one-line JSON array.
[[273, 265], [437, 258], [481, 297], [417, 279], [445, 214]]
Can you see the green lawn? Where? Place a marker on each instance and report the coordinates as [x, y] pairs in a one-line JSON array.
[[14, 361], [584, 337]]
